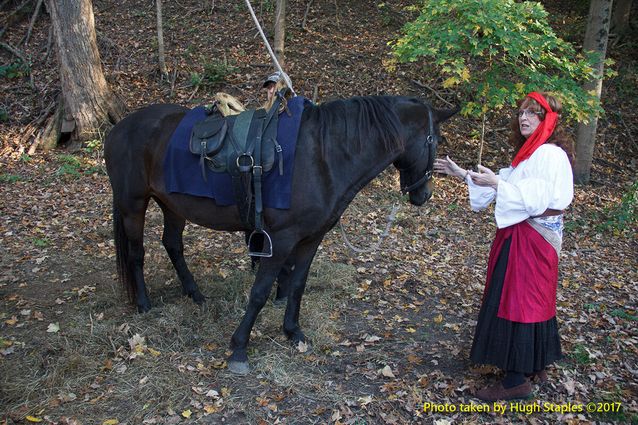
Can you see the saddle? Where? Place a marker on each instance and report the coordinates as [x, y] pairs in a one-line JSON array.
[[245, 146]]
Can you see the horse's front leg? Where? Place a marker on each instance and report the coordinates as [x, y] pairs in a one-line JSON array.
[[296, 286], [268, 269]]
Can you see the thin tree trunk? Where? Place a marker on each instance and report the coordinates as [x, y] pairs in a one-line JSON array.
[[89, 103], [280, 30], [620, 17], [160, 41], [596, 37]]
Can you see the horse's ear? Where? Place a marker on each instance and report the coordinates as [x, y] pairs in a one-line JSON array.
[[441, 115]]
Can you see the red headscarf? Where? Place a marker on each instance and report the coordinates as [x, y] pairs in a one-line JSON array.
[[542, 132]]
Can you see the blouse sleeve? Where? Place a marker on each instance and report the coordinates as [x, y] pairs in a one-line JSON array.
[[482, 196], [544, 181]]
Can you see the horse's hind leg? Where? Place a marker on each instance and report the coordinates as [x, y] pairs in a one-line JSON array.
[[129, 231], [174, 244], [296, 285]]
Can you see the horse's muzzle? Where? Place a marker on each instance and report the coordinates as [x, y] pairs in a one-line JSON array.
[[422, 195]]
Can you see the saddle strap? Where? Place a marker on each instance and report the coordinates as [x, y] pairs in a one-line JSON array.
[[258, 171]]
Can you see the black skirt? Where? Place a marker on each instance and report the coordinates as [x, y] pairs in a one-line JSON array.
[[512, 346]]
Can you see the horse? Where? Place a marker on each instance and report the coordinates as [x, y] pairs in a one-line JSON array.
[[341, 146]]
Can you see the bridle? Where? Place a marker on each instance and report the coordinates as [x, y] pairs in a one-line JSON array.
[[431, 141]]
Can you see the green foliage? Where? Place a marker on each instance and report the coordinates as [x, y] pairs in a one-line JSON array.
[[14, 70], [619, 312], [580, 355], [71, 166], [196, 79], [4, 115], [624, 215], [9, 178], [496, 51], [216, 71], [41, 242], [94, 147]]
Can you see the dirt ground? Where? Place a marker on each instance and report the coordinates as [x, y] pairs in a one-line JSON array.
[[390, 330]]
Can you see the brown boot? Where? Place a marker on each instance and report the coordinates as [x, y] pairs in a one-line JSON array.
[[540, 376], [498, 392]]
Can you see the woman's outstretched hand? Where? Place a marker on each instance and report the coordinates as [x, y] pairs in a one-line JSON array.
[[485, 177], [449, 167]]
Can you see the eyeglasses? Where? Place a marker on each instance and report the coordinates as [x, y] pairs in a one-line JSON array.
[[529, 113]]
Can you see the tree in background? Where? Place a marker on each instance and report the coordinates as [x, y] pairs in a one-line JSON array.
[[495, 51], [596, 38], [87, 102], [280, 30], [621, 17]]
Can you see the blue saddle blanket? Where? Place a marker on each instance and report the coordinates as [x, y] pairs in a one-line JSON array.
[[183, 173]]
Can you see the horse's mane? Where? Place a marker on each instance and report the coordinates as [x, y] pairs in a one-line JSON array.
[[362, 119]]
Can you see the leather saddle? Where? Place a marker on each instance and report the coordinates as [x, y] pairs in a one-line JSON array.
[[245, 146], [227, 144]]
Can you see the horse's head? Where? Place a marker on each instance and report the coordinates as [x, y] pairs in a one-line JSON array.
[[416, 162]]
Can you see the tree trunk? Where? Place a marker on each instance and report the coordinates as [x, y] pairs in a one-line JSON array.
[[280, 30], [160, 41], [620, 17], [89, 103], [596, 37]]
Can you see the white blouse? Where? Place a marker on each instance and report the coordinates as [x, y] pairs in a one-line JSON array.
[[542, 181]]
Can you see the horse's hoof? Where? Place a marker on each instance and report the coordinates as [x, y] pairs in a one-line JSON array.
[[304, 347], [238, 368], [198, 298], [143, 308], [280, 302]]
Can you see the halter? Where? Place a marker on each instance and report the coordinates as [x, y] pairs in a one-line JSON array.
[[430, 141]]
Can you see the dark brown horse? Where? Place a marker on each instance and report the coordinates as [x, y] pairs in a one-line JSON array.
[[342, 145]]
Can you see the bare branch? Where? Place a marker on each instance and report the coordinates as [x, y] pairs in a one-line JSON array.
[[34, 18], [425, 86]]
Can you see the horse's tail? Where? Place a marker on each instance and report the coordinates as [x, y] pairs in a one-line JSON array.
[[122, 253]]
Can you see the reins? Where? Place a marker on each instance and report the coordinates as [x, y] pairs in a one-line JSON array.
[[386, 232], [270, 52]]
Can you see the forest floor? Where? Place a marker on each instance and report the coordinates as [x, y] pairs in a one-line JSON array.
[[391, 329]]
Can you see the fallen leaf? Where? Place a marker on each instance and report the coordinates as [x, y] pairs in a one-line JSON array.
[[33, 419], [372, 338], [187, 413], [111, 422], [209, 408], [53, 328], [387, 372]]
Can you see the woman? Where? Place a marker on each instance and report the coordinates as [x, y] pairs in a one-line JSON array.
[[517, 329], [274, 84]]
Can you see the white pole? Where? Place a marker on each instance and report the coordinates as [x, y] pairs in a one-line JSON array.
[[272, 54]]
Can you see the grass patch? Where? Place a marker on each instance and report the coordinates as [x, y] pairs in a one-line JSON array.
[[10, 178], [581, 355], [90, 368]]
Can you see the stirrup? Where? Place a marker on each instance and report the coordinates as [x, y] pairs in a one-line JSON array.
[[259, 244]]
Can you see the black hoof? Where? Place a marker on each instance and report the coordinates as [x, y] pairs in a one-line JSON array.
[[198, 298], [143, 308]]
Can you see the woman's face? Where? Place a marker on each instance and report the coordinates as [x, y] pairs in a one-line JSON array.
[[528, 120], [270, 90]]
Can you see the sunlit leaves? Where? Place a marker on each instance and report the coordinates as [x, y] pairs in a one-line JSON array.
[[511, 43]]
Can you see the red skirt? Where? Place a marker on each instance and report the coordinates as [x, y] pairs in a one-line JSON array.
[[529, 288]]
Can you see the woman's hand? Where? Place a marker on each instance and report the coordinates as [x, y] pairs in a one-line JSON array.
[[485, 177], [449, 167]]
